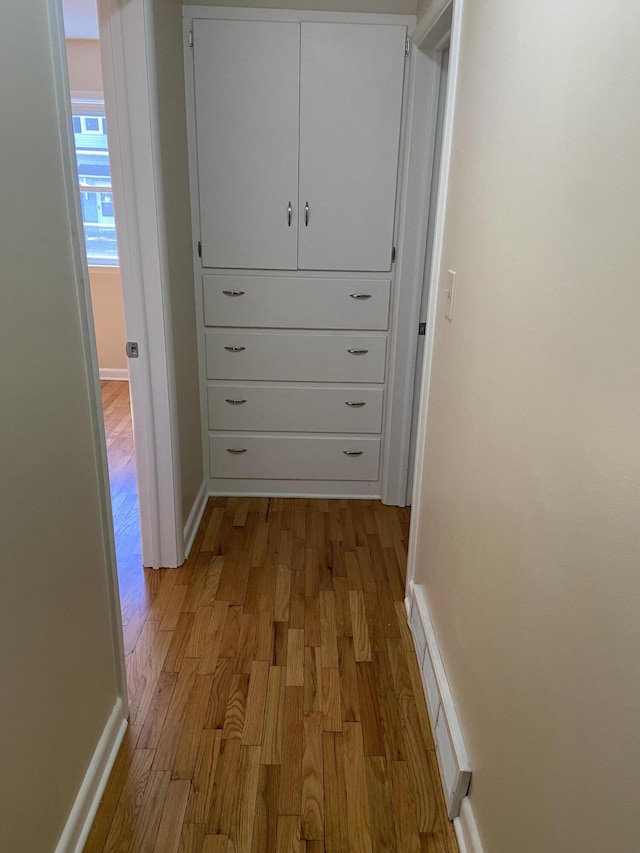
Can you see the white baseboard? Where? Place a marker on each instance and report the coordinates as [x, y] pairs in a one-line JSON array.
[[119, 374], [195, 516], [86, 804], [466, 829], [453, 760]]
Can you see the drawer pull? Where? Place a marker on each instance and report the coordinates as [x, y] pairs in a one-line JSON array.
[[233, 402], [360, 295], [353, 452], [235, 349], [355, 404], [233, 292], [236, 451], [358, 351]]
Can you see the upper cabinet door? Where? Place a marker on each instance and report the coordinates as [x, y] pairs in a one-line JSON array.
[[350, 103], [246, 93]]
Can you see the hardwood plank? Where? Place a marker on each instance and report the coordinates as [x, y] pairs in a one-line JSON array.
[[288, 840], [295, 658], [335, 793], [331, 704], [170, 829], [191, 838], [187, 752], [383, 836], [283, 594], [274, 717], [256, 700], [221, 811], [202, 787], [246, 786], [265, 823], [312, 801], [369, 710], [236, 707], [128, 805], [328, 630], [291, 775], [359, 821], [404, 813], [145, 829], [154, 721], [219, 695], [175, 717], [349, 699], [361, 642]]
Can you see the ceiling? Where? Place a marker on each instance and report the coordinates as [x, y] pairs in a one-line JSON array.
[[80, 19]]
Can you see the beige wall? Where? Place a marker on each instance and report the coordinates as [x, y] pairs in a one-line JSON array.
[[108, 317], [85, 75], [85, 68], [167, 24], [529, 543], [387, 7], [58, 683]]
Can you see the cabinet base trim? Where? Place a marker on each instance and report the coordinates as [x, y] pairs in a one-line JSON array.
[[294, 489]]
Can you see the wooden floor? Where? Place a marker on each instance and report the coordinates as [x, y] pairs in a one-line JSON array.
[[276, 702], [122, 479]]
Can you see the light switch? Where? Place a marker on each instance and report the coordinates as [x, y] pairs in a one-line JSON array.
[[450, 294]]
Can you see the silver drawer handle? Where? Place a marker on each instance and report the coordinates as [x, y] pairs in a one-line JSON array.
[[306, 214], [235, 349], [353, 452], [236, 451], [289, 212], [360, 295], [358, 351], [233, 292], [233, 402], [354, 404]]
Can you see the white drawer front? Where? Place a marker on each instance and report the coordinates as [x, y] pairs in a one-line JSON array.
[[295, 408], [293, 458], [290, 357], [296, 303]]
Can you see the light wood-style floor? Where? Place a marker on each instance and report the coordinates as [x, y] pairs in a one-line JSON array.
[[276, 702]]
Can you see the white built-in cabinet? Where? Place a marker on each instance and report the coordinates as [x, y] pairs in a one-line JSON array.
[[294, 133]]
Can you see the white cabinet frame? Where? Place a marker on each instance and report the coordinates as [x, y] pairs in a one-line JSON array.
[[412, 205]]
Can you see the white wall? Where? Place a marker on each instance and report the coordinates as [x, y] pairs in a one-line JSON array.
[[167, 27], [58, 663], [529, 542]]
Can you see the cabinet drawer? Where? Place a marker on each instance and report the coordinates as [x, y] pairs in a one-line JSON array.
[[290, 357], [294, 408], [293, 457], [296, 303]]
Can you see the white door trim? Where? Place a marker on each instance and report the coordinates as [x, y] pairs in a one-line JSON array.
[[127, 47], [427, 35]]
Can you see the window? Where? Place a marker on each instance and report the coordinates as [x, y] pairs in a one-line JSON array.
[[94, 175]]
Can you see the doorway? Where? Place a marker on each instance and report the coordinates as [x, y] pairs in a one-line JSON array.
[[90, 137]]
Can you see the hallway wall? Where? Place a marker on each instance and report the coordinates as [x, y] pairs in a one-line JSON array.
[[58, 658], [529, 540]]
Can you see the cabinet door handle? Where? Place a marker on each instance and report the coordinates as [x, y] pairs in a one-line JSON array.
[[236, 451], [358, 351], [233, 292], [360, 295], [306, 214], [233, 402], [353, 452], [289, 212], [235, 349], [355, 404]]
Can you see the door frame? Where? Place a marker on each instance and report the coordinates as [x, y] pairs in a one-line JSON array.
[[439, 27], [127, 51], [429, 39]]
